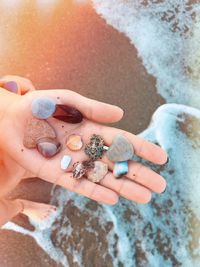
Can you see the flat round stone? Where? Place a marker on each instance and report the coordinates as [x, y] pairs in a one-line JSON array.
[[35, 130], [43, 107], [98, 172], [121, 149], [65, 162], [48, 147], [74, 142], [120, 169]]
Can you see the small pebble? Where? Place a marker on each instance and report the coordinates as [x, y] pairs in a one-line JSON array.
[[43, 107], [98, 172], [74, 142], [65, 162], [48, 147], [120, 169], [121, 149], [37, 129]]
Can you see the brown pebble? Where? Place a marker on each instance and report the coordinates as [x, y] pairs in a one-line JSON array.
[[74, 142], [35, 130]]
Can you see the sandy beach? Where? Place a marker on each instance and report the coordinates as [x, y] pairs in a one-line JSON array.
[[73, 48]]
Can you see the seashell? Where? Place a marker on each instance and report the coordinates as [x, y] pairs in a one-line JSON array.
[[120, 169], [36, 129], [80, 168], [74, 142], [95, 148], [120, 150], [98, 172], [43, 107], [67, 114], [48, 147], [65, 162]]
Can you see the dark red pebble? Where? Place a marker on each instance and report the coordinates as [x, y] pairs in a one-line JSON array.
[[67, 114]]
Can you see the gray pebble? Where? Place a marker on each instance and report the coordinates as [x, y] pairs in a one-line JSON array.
[[43, 107]]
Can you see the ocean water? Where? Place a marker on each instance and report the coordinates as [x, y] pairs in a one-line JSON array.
[[166, 232], [166, 34]]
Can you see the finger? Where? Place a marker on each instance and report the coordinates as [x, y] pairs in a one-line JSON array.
[[49, 170], [88, 189], [142, 147], [91, 109], [127, 188], [16, 84], [146, 177], [142, 175]]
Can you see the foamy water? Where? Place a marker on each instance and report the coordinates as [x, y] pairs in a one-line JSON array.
[[164, 233], [166, 34]]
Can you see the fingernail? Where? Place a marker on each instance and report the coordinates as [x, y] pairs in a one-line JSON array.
[[11, 86]]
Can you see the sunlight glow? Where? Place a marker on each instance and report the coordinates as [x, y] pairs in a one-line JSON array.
[[11, 3]]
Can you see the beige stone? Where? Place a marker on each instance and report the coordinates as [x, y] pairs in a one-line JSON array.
[[35, 130], [98, 172]]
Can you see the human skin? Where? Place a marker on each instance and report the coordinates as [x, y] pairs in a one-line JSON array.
[[18, 162]]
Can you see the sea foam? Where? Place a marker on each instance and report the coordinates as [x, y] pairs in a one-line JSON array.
[[166, 35]]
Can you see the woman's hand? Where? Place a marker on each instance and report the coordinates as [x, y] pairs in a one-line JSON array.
[[137, 185]]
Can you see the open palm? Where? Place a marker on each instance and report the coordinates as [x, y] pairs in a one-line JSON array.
[[137, 185]]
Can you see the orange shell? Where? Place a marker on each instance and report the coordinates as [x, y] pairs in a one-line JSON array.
[[74, 142]]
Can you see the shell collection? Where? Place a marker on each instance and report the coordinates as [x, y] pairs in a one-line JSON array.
[[40, 134]]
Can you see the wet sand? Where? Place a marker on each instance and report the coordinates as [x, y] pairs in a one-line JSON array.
[[77, 50]]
